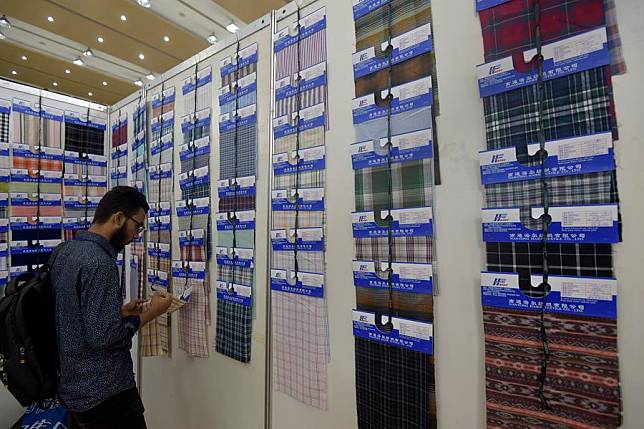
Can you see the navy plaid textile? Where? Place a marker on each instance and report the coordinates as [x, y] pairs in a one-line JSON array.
[[234, 330], [198, 191], [84, 139], [242, 276], [395, 388], [246, 153], [195, 162], [575, 105], [233, 204]]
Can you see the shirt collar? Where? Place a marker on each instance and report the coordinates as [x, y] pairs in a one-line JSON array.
[[98, 239]]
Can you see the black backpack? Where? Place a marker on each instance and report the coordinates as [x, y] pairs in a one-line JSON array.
[[28, 352]]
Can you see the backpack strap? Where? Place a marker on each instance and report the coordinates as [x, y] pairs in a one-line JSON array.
[[54, 254]]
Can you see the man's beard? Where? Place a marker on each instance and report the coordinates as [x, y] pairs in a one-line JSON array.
[[118, 240]]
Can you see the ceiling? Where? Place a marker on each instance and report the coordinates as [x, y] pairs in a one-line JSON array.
[[46, 36]]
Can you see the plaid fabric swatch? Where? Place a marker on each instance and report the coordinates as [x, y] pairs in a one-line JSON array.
[[204, 97], [187, 223], [395, 388], [37, 163], [196, 191], [404, 249], [245, 239], [312, 52], [308, 98], [160, 237], [286, 220], [241, 102], [34, 188], [234, 330], [407, 305], [240, 161], [52, 133], [193, 253], [411, 186], [582, 377], [161, 189], [195, 162], [401, 123], [26, 129], [240, 276], [408, 71], [84, 139], [307, 262], [4, 127], [406, 15], [617, 63], [33, 211], [231, 204], [575, 105], [307, 139], [242, 72], [193, 318], [305, 179], [300, 347]]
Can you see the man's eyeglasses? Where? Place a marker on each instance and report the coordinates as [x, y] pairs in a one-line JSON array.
[[140, 227]]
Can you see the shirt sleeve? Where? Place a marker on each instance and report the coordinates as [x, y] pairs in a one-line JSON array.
[[101, 301]]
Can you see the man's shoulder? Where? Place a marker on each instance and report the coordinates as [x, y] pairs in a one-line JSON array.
[[83, 253]]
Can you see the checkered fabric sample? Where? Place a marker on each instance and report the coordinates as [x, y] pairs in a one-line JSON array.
[[84, 139], [307, 262], [238, 152], [194, 318], [234, 330], [401, 123], [242, 72], [306, 139], [4, 127], [286, 219]]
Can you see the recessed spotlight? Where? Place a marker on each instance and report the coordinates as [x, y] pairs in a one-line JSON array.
[[104, 83], [144, 3], [13, 72], [232, 27], [50, 18], [67, 71], [90, 94], [166, 39], [88, 53], [212, 39], [78, 62], [55, 83], [141, 56], [24, 58], [4, 21], [150, 77], [100, 39], [123, 18], [138, 82]]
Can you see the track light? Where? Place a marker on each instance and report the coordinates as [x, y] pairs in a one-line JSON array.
[[88, 53], [212, 39], [78, 62], [232, 27], [4, 21], [144, 3], [150, 77], [138, 82]]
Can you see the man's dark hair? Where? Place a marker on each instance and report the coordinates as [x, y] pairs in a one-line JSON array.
[[124, 199]]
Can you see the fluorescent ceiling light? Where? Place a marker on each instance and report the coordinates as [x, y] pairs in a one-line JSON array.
[[166, 39], [141, 56], [24, 58], [138, 82], [88, 53], [150, 77], [4, 21], [232, 27], [212, 39], [100, 39], [144, 3], [123, 18], [78, 62], [50, 18]]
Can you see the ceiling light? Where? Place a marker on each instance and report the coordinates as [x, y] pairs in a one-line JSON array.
[[67, 71], [78, 62], [123, 18], [90, 94], [138, 82], [13, 72], [232, 27], [100, 39], [50, 18], [88, 53], [24, 58], [150, 77], [212, 39], [55, 83], [144, 3], [104, 83], [2, 36], [166, 39], [141, 56], [4, 21]]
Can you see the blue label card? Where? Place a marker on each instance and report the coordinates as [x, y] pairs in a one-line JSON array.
[[204, 76], [119, 173], [139, 140], [23, 106], [71, 179], [308, 199], [237, 294], [33, 247], [77, 202], [238, 221], [202, 118], [159, 250], [406, 97], [161, 171], [579, 155], [76, 118], [244, 116], [24, 175], [35, 199], [119, 151], [52, 113], [160, 209], [155, 124], [189, 270], [193, 237], [240, 59], [294, 33], [160, 223], [573, 55], [95, 160], [168, 95], [5, 175], [308, 239], [138, 164], [405, 277], [240, 187], [311, 159], [4, 225], [235, 256], [157, 279], [197, 147], [5, 106], [404, 147], [307, 284], [582, 296], [571, 224], [4, 149], [23, 223], [73, 223], [196, 207], [46, 153], [405, 333], [404, 47], [156, 101], [365, 7], [196, 177], [167, 119], [188, 85], [305, 80], [4, 199], [487, 4], [305, 119], [415, 222], [165, 143], [240, 88], [187, 122]]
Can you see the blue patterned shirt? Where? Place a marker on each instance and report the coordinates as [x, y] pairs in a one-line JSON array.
[[94, 339]]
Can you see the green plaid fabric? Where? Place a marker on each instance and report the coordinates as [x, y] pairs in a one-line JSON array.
[[411, 186], [234, 331]]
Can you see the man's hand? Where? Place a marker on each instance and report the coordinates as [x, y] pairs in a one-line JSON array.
[[132, 308], [159, 304]]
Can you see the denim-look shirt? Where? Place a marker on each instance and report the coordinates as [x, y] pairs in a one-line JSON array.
[[94, 339]]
